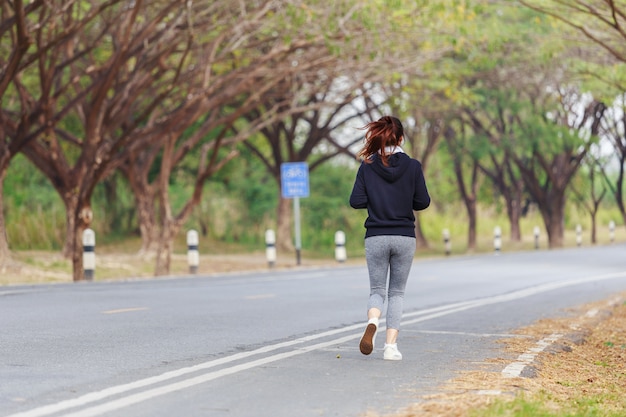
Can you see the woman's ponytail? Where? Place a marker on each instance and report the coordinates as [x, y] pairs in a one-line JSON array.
[[382, 134]]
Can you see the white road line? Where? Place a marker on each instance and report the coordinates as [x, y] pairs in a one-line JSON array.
[[514, 370], [466, 333], [125, 310], [177, 386], [13, 292], [420, 316], [259, 296], [120, 389]]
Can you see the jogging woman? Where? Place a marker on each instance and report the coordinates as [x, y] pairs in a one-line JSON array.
[[390, 185]]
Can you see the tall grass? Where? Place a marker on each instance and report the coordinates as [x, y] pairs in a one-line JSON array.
[[434, 222], [522, 406], [36, 228], [43, 228]]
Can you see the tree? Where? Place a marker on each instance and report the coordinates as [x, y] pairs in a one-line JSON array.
[[423, 111], [309, 134], [492, 122], [466, 172], [597, 35], [31, 97], [239, 86], [613, 129], [549, 148], [600, 22], [128, 81], [591, 203]]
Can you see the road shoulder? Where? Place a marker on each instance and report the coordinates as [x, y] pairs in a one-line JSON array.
[[563, 359]]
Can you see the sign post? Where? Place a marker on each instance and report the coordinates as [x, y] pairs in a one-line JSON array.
[[294, 183]]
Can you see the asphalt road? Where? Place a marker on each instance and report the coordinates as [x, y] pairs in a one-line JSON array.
[[278, 343]]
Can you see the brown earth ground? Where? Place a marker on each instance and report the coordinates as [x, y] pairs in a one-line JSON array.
[[587, 364], [37, 267], [588, 361]]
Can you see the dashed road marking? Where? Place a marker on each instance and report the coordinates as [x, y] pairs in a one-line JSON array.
[[259, 296], [125, 310]]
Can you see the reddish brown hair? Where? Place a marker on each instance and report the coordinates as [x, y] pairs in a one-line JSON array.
[[386, 131]]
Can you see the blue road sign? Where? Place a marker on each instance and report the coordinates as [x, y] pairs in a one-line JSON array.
[[294, 179]]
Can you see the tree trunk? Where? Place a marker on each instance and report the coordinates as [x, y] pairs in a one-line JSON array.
[[136, 173], [619, 194], [553, 214], [514, 210], [82, 217], [4, 242], [71, 213], [470, 205], [284, 241], [514, 213], [147, 223], [164, 250], [420, 239], [555, 232], [78, 274], [594, 235]]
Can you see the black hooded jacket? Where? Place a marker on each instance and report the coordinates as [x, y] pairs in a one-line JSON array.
[[390, 194]]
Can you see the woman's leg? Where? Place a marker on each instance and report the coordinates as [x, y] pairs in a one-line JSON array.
[[377, 263], [377, 252], [400, 262]]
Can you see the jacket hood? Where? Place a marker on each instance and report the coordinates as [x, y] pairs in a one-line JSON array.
[[398, 164]]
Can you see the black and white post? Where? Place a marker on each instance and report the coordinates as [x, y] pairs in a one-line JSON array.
[[579, 235], [446, 241], [612, 231], [536, 232], [193, 256], [270, 247], [340, 246], [497, 239], [89, 254]]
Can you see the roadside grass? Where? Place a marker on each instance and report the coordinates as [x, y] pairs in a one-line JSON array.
[[584, 376], [537, 407]]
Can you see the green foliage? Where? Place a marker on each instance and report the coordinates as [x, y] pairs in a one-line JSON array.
[[538, 407], [35, 214], [327, 210]]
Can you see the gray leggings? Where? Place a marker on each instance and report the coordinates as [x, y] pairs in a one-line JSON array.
[[393, 254]]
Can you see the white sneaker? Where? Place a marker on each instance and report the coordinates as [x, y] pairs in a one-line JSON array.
[[392, 353], [369, 337]]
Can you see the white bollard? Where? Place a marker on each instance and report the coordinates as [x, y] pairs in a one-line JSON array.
[[536, 233], [579, 235], [270, 247], [340, 246], [497, 239], [612, 231], [89, 254], [193, 256], [446, 241]]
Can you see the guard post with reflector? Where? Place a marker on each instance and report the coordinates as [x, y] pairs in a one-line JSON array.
[[193, 256], [89, 254], [270, 247], [340, 246], [497, 239]]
